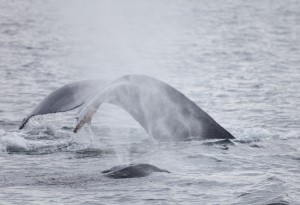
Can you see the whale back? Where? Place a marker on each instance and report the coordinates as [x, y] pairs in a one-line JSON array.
[[132, 171]]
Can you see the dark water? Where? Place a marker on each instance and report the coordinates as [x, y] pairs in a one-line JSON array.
[[238, 60]]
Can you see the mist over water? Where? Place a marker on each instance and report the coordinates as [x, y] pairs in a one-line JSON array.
[[237, 60]]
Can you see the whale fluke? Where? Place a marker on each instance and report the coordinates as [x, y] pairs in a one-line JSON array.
[[161, 110], [132, 171], [66, 98]]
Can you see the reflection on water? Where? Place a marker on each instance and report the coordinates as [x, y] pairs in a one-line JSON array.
[[238, 60]]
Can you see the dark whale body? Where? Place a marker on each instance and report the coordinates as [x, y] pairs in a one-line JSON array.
[[132, 171], [160, 109]]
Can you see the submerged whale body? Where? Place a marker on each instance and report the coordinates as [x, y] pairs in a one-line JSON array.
[[160, 109], [132, 171]]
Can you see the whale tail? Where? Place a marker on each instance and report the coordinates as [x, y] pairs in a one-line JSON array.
[[110, 94], [159, 108], [66, 98]]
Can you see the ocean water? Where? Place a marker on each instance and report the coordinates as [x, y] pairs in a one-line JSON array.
[[238, 60]]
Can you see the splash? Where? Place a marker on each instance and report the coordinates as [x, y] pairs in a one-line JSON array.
[[12, 141]]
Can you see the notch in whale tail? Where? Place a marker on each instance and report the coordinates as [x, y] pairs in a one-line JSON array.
[[66, 98]]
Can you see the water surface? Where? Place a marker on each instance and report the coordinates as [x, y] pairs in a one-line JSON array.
[[238, 60]]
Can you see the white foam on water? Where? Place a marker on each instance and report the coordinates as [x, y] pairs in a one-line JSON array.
[[12, 139]]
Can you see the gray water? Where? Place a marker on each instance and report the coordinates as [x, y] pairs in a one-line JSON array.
[[238, 60]]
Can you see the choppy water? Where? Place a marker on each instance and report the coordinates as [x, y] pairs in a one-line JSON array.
[[238, 60]]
